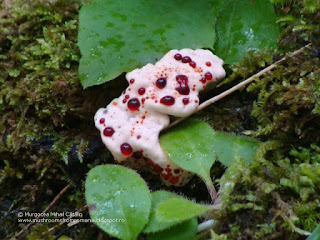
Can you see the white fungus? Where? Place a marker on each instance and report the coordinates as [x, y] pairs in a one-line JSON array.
[[130, 125]]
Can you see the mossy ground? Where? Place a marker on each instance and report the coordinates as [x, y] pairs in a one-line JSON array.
[[48, 139]]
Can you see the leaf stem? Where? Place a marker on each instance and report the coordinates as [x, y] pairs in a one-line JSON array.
[[211, 189], [240, 85]]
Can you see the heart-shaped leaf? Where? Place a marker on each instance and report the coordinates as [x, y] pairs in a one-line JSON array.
[[119, 200], [157, 197], [230, 147], [179, 210], [190, 145], [118, 36], [244, 25], [183, 231]]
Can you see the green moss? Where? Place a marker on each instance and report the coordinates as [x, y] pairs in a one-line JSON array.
[[274, 198], [44, 111]]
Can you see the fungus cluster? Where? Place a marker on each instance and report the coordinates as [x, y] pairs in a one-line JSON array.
[[130, 125]]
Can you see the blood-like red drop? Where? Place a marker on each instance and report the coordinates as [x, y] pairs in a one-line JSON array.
[[177, 57], [208, 76], [186, 59], [108, 131], [192, 64], [167, 100], [126, 149], [161, 83], [141, 91], [183, 89], [134, 104]]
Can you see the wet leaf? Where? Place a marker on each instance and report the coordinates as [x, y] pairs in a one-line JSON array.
[[183, 231], [157, 197], [118, 36], [179, 210], [230, 147], [244, 25], [315, 235], [119, 200], [190, 145]]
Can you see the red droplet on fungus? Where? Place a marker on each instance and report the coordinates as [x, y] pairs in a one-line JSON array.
[[174, 180], [203, 80], [192, 64], [132, 81], [177, 57], [126, 149], [165, 177], [183, 89], [185, 101], [141, 91], [161, 83], [134, 104], [208, 76], [102, 120], [186, 59], [208, 64], [176, 171], [108, 131], [167, 100]]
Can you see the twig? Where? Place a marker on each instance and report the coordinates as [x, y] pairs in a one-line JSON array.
[[240, 85], [44, 211], [100, 236]]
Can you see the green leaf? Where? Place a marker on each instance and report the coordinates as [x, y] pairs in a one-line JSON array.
[[230, 147], [119, 200], [184, 231], [157, 197], [190, 145], [315, 235], [118, 36], [64, 238], [245, 25], [179, 210]]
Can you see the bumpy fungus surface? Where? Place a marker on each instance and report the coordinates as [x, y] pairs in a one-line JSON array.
[[130, 125]]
